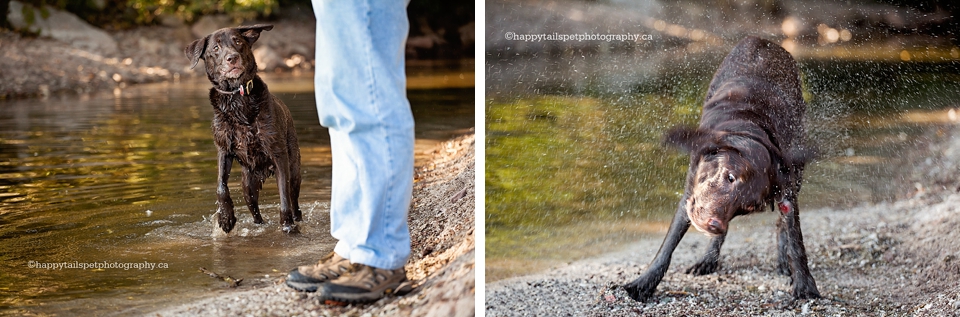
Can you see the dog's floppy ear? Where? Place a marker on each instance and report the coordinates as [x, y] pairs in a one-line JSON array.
[[195, 50], [684, 138], [252, 32]]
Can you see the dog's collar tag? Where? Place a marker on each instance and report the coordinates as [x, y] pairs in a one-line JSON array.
[[245, 89]]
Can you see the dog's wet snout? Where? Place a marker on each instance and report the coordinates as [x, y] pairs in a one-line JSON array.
[[716, 226], [233, 58]]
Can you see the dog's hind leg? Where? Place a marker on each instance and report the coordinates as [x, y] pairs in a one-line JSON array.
[[252, 183], [295, 179], [284, 182]]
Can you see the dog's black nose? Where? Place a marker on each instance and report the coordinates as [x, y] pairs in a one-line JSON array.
[[716, 226], [232, 57]]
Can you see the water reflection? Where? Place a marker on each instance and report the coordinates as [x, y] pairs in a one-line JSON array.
[[129, 178]]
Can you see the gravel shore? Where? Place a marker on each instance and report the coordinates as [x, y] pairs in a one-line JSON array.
[[889, 259], [441, 264]]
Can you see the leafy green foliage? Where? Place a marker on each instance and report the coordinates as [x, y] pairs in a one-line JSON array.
[[149, 10], [121, 14]]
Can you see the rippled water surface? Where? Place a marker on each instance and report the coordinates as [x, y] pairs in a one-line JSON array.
[[128, 177]]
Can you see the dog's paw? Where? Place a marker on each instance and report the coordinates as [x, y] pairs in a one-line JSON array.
[[640, 290], [226, 221], [703, 268], [290, 229], [805, 291]]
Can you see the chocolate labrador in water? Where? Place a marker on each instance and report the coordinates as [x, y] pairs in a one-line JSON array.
[[249, 125], [746, 154]]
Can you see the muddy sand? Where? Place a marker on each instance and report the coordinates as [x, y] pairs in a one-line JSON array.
[[898, 258], [441, 263]]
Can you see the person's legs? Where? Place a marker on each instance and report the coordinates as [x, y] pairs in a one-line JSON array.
[[361, 98]]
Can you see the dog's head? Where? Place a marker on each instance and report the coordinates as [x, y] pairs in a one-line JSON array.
[[227, 55], [730, 175]]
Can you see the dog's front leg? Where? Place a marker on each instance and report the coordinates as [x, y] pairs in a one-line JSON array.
[[226, 219], [793, 251], [643, 287], [710, 261]]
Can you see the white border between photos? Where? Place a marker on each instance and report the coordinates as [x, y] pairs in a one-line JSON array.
[[479, 155]]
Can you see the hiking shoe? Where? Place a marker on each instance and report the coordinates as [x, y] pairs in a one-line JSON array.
[[309, 278], [362, 284]]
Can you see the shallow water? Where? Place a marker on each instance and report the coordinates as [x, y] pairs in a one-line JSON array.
[[574, 167], [127, 178]]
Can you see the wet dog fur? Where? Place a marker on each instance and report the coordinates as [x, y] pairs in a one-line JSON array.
[[250, 125], [747, 153]]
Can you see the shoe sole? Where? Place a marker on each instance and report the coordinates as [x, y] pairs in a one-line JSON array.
[[341, 299], [304, 287], [344, 299]]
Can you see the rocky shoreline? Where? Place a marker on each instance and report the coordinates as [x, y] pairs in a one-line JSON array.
[[888, 259], [442, 261], [44, 66]]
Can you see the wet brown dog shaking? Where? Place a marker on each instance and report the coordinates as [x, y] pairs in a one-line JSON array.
[[250, 125], [746, 154]]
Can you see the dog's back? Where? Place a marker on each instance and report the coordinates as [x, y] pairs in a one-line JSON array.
[[758, 81]]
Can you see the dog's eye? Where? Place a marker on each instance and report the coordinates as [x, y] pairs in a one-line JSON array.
[[731, 178], [237, 41], [216, 47]]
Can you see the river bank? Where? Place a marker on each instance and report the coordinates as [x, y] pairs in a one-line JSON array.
[[895, 258], [41, 66]]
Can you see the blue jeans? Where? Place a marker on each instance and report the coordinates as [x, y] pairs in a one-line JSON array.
[[361, 97]]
